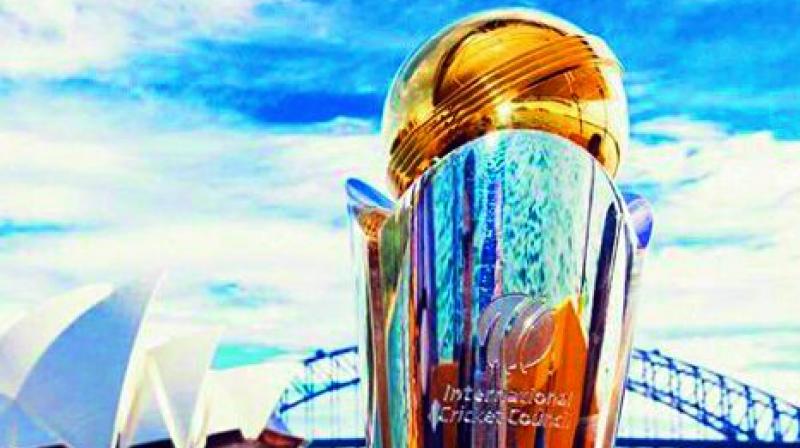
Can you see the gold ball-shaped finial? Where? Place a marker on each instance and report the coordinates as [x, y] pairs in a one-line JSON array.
[[504, 69]]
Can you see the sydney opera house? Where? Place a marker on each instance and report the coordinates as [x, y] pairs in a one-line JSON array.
[[82, 371]]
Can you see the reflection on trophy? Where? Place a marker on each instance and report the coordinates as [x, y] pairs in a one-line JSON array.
[[495, 293]]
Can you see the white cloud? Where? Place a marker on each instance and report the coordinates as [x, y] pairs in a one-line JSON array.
[[265, 210], [717, 183], [206, 203], [61, 37], [682, 128], [280, 253], [723, 274]]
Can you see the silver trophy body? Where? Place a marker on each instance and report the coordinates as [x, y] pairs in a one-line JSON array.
[[496, 298]]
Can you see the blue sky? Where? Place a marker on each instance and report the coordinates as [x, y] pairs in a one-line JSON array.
[[266, 62], [211, 138]]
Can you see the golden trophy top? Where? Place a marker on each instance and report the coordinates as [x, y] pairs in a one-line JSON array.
[[504, 69]]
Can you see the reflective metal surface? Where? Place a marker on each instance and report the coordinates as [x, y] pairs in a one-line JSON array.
[[494, 295], [495, 298], [504, 69]]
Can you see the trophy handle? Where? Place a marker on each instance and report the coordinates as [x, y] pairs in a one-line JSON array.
[[368, 209], [640, 217]]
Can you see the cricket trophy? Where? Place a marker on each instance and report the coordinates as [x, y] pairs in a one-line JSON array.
[[495, 293]]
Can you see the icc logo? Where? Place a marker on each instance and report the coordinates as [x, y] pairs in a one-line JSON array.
[[515, 332]]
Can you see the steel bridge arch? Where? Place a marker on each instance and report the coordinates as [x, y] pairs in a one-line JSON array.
[[324, 372], [734, 409]]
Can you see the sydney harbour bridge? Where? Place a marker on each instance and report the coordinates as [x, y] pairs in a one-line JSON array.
[[676, 404]]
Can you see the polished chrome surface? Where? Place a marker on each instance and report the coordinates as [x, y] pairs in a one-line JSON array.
[[494, 297]]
